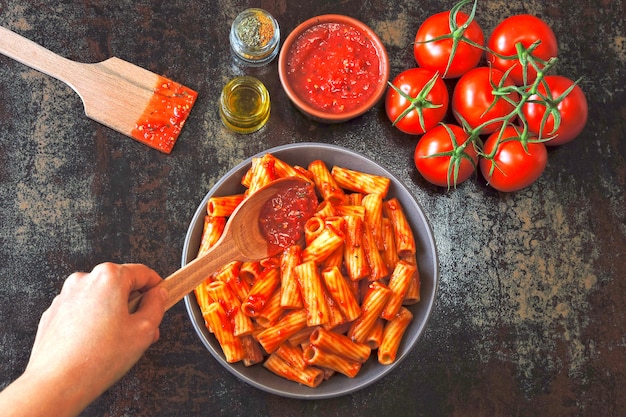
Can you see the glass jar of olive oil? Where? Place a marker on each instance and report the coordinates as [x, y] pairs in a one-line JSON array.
[[244, 104]]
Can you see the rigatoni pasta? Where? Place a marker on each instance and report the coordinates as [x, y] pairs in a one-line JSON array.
[[272, 337], [354, 257], [223, 206], [219, 323], [326, 184], [340, 291], [325, 359], [405, 241], [288, 362], [398, 285], [360, 182], [313, 294], [340, 345], [261, 291], [212, 231], [324, 244], [373, 304], [392, 334], [290, 296], [326, 303], [242, 323]]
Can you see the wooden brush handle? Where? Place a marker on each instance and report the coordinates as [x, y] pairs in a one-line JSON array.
[[36, 56]]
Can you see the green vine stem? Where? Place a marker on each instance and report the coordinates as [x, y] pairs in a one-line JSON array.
[[552, 106], [457, 154], [457, 33], [525, 93], [419, 102]]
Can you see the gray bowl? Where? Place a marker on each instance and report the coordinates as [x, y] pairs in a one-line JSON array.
[[301, 154]]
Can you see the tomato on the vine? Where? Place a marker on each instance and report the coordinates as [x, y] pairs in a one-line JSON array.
[[449, 42], [526, 30], [474, 101], [559, 102], [416, 100], [511, 163], [444, 157]]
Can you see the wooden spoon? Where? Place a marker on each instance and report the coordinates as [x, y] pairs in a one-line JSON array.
[[136, 102], [242, 240]]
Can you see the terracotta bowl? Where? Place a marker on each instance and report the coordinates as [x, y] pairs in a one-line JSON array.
[[301, 154], [305, 106]]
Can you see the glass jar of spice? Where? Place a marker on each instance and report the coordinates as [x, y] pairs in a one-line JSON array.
[[254, 37]]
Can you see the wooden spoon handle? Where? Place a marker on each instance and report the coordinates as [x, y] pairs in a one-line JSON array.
[[184, 280]]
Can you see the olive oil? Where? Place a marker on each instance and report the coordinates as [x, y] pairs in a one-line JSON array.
[[245, 104]]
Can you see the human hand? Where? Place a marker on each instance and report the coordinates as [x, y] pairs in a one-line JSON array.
[[88, 339]]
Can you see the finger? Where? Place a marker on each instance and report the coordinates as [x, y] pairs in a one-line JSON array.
[[151, 310], [140, 276], [144, 277], [43, 324], [72, 280]]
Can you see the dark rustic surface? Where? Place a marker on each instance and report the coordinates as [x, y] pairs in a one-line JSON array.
[[530, 315]]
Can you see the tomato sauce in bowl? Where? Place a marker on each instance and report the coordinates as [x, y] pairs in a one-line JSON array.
[[333, 68]]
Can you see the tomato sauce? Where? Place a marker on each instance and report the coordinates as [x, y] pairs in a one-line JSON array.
[[334, 67], [282, 218], [165, 115]]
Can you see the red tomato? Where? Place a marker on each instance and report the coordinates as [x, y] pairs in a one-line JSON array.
[[526, 30], [443, 157], [515, 167], [454, 54], [474, 102], [416, 101], [569, 107]]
